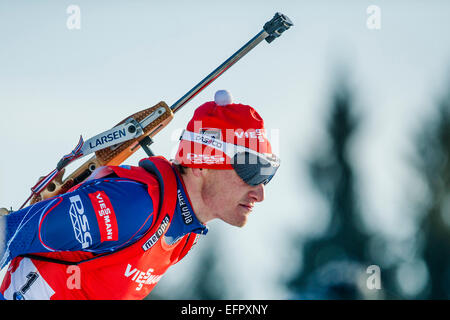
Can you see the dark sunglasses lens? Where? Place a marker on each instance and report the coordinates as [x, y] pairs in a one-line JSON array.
[[252, 169]]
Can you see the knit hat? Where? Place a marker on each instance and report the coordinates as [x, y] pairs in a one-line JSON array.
[[218, 126]]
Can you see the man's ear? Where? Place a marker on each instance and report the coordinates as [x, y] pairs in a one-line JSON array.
[[198, 172]]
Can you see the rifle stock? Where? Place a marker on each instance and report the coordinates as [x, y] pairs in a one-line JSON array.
[[112, 156]]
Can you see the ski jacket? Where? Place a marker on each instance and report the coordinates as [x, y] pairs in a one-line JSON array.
[[108, 254]]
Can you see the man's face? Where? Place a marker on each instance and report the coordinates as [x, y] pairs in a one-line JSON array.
[[228, 197]]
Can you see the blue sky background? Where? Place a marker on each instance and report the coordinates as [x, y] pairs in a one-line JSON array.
[[56, 84]]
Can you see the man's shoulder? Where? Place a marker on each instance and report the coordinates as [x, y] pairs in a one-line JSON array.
[[101, 215]]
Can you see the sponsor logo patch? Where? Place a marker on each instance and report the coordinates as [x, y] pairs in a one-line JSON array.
[[106, 218], [213, 133], [203, 158], [141, 277], [80, 222], [158, 233], [208, 140], [259, 134]]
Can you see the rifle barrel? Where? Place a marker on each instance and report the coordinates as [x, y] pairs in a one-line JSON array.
[[219, 70]]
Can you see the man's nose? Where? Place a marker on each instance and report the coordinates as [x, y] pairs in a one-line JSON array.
[[257, 193]]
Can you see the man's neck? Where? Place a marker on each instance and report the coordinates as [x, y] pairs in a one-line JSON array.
[[193, 189]]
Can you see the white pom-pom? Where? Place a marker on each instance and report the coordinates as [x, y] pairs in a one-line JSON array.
[[223, 97]]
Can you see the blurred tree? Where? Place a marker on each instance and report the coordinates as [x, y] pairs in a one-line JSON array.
[[335, 263], [207, 279], [433, 164]]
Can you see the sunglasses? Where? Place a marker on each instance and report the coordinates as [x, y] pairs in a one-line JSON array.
[[252, 167]]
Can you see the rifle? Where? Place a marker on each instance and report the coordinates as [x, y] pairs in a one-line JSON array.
[[114, 146]]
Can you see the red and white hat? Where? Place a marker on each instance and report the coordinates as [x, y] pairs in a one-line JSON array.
[[217, 128]]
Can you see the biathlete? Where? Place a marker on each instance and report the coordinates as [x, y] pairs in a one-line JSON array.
[[114, 235]]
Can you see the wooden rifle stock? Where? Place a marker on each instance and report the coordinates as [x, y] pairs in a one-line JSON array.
[[112, 156]]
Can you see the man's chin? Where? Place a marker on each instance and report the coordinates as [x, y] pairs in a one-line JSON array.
[[241, 222], [241, 219], [238, 218], [238, 225]]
